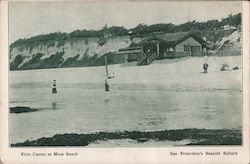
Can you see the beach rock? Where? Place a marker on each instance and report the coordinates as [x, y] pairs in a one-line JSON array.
[[22, 109], [235, 68], [225, 67], [142, 139]]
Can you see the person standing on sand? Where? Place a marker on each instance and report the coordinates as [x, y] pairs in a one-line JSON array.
[[205, 66]]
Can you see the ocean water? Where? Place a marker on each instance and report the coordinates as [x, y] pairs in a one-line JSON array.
[[84, 107]]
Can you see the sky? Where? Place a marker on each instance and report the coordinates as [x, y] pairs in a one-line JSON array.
[[30, 19]]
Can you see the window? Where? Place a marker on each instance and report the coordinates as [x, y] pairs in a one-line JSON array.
[[186, 48], [198, 48], [195, 48]]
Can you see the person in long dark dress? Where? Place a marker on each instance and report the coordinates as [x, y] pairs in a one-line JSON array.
[[106, 86], [54, 92]]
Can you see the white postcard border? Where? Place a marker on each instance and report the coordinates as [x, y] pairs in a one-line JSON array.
[[120, 155]]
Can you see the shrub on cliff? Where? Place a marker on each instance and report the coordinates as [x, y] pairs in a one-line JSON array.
[[53, 61], [71, 61], [34, 62], [17, 61]]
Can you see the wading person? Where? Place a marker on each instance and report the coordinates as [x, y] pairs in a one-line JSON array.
[[106, 86], [205, 66], [54, 92]]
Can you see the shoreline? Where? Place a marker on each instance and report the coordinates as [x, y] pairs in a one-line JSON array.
[[130, 64], [197, 136]]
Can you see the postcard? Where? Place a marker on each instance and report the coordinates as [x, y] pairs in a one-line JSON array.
[[124, 81]]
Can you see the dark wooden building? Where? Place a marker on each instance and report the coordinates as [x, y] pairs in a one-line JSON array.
[[128, 54], [164, 46]]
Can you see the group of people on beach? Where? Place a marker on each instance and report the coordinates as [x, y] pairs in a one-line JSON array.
[[54, 89]]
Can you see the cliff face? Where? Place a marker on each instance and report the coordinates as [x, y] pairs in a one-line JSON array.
[[83, 51], [88, 51], [231, 42]]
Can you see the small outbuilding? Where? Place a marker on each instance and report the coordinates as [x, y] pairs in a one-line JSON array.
[[128, 54]]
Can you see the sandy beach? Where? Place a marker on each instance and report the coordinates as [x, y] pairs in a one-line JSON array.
[[142, 99]]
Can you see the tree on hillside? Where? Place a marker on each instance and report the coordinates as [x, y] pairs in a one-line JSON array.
[[139, 29], [233, 20], [161, 28], [116, 31], [212, 24], [186, 26]]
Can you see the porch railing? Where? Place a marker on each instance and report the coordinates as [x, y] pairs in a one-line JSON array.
[[146, 58]]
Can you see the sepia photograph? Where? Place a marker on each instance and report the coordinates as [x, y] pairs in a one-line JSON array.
[[125, 74]]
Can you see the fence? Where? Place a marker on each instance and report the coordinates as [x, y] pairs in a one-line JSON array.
[[178, 54]]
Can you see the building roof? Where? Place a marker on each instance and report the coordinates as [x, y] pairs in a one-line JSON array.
[[130, 48], [124, 52], [172, 38]]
